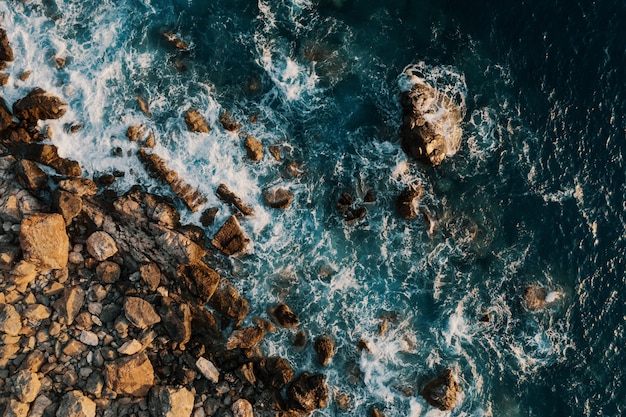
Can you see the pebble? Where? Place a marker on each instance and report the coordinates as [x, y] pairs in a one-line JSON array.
[[89, 338]]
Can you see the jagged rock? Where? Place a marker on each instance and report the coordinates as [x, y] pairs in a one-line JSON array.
[[343, 400], [8, 255], [39, 406], [228, 122], [136, 132], [408, 200], [80, 186], [143, 105], [108, 272], [177, 245], [4, 78], [535, 297], [16, 409], [230, 239], [132, 375], [44, 241], [89, 338], [157, 167], [441, 392], [150, 275], [67, 204], [39, 105], [46, 155], [275, 372], [101, 246], [176, 318], [160, 211], [74, 348], [6, 52], [278, 198], [26, 386], [195, 122], [76, 404], [245, 338], [325, 348], [140, 313], [208, 370], [29, 175], [275, 151], [6, 352], [171, 402], [349, 211], [175, 41], [228, 302], [23, 274], [37, 312], [254, 148], [6, 118], [200, 280], [283, 316], [226, 195], [374, 412], [308, 392], [70, 304], [95, 384], [208, 216], [242, 408], [130, 347], [10, 320], [25, 75]]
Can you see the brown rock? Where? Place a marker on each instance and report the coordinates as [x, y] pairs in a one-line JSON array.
[[6, 119], [29, 175], [136, 132], [26, 386], [44, 241], [76, 404], [176, 319], [175, 41], [254, 148], [325, 348], [24, 75], [228, 302], [133, 375], [46, 155], [171, 402], [299, 340], [16, 409], [535, 297], [10, 321], [4, 80], [278, 198], [208, 216], [6, 52], [275, 151], [39, 105], [273, 371], [228, 122], [6, 353], [140, 312], [70, 304], [230, 239], [195, 122], [108, 272], [80, 186], [101, 245], [283, 316], [143, 105], [374, 412], [245, 338], [200, 280], [150, 275], [226, 195], [308, 392], [407, 201], [242, 408], [441, 392], [67, 204]]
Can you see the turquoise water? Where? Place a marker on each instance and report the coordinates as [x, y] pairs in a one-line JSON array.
[[535, 194]]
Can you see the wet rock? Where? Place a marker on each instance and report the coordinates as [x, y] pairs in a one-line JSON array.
[[374, 412], [6, 52], [242, 408], [133, 375], [299, 340], [228, 302], [175, 41], [208, 370], [535, 297], [230, 239], [349, 211], [275, 372], [245, 338], [308, 392], [254, 148], [176, 318], [442, 391], [195, 122], [140, 313], [69, 305], [208, 216], [278, 198], [10, 320], [283, 316], [101, 246], [39, 105], [150, 275], [325, 348], [275, 151], [16, 409], [76, 404], [343, 400], [44, 241], [200, 280], [171, 402], [135, 132], [46, 155], [143, 105], [82, 187], [226, 195], [6, 118], [228, 122], [26, 386], [67, 204], [158, 168], [408, 200], [29, 175], [4, 79], [25, 75]]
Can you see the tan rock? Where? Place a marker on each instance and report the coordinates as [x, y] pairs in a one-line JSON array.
[[278, 198], [26, 386], [101, 245], [325, 348], [16, 409], [136, 132], [208, 370], [70, 304], [441, 392], [6, 52], [39, 105], [74, 348], [82, 187], [226, 195], [36, 312], [242, 408], [254, 148], [133, 375], [130, 347], [140, 313], [171, 402], [195, 122], [6, 353], [44, 241], [76, 404], [10, 320], [41, 403], [230, 239], [29, 175], [245, 338]]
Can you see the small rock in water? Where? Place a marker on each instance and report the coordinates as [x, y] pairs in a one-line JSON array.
[[407, 201], [299, 340], [196, 122], [535, 297], [208, 216], [228, 122], [176, 41], [442, 391], [278, 198], [254, 148], [325, 349], [230, 239], [283, 316]]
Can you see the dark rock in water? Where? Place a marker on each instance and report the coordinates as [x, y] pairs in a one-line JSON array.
[[273, 371], [143, 106], [228, 122], [283, 316], [17, 134], [275, 151], [39, 105], [46, 155], [208, 216], [6, 119], [29, 175], [195, 122], [441, 392], [226, 195], [4, 78], [344, 202], [535, 297], [67, 204], [485, 318], [325, 349], [349, 212], [407, 201], [343, 400], [230, 239], [228, 302], [175, 41], [374, 412], [106, 179], [176, 319], [157, 167], [278, 198], [254, 148], [362, 345], [308, 392], [199, 280], [370, 196], [299, 340], [6, 52], [245, 338]]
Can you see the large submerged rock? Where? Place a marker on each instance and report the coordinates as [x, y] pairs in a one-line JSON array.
[[441, 392], [6, 52]]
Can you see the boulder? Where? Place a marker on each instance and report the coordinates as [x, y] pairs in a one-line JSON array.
[[46, 155], [39, 105], [283, 316], [175, 41], [10, 320], [242, 408], [195, 122], [226, 195], [29, 175], [228, 122], [275, 372], [200, 280], [228, 302], [230, 239], [132, 375], [67, 204], [245, 338], [278, 198], [325, 348], [108, 272], [6, 52], [69, 305], [82, 187], [44, 241], [442, 391], [140, 313], [374, 412], [76, 404], [171, 402], [308, 392], [408, 200], [208, 216], [208, 370], [254, 148], [348, 209], [26, 386], [101, 246], [150, 275], [136, 132], [16, 408], [176, 319], [6, 118], [535, 297]]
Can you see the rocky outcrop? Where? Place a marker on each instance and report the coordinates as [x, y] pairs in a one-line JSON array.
[[408, 200], [226, 195], [273, 371], [199, 280], [442, 391], [30, 176], [6, 52], [44, 241], [282, 315], [132, 375], [195, 122], [6, 119], [171, 402], [254, 148], [228, 302], [308, 392], [278, 198], [46, 155], [39, 105], [350, 211], [230, 239], [535, 297], [325, 348], [245, 338], [228, 122]]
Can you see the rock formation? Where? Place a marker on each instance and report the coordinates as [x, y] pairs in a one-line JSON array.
[[442, 391]]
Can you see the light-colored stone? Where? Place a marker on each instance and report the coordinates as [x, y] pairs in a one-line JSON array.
[[26, 386], [39, 406], [140, 312], [89, 338], [44, 241], [101, 246], [130, 347], [242, 408], [79, 186], [16, 409], [76, 404], [208, 370], [171, 402], [23, 274], [133, 375], [6, 353], [10, 321], [37, 312]]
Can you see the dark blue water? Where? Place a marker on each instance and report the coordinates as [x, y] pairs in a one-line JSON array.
[[534, 195]]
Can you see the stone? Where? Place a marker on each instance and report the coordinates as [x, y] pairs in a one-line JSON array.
[[132, 375], [140, 313], [299, 340], [70, 304], [26, 386], [275, 372], [101, 246], [130, 347], [441, 392], [343, 400], [200, 280], [278, 198], [30, 176], [74, 348], [245, 338], [282, 315], [39, 406], [67, 204], [89, 338], [325, 348], [308, 392], [208, 370], [208, 216], [25, 75], [230, 239], [82, 187], [94, 384], [408, 200], [76, 404], [37, 312], [374, 412], [8, 255], [150, 275], [109, 272], [176, 319], [227, 301], [34, 361], [276, 152], [47, 155], [10, 320], [6, 118], [242, 408], [6, 52], [16, 409], [171, 402], [136, 132], [44, 241], [39, 105], [143, 105], [228, 122], [535, 297], [226, 195], [23, 274], [175, 41], [254, 148], [6, 353], [195, 122]]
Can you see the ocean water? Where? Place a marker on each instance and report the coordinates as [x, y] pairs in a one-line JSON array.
[[535, 193]]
